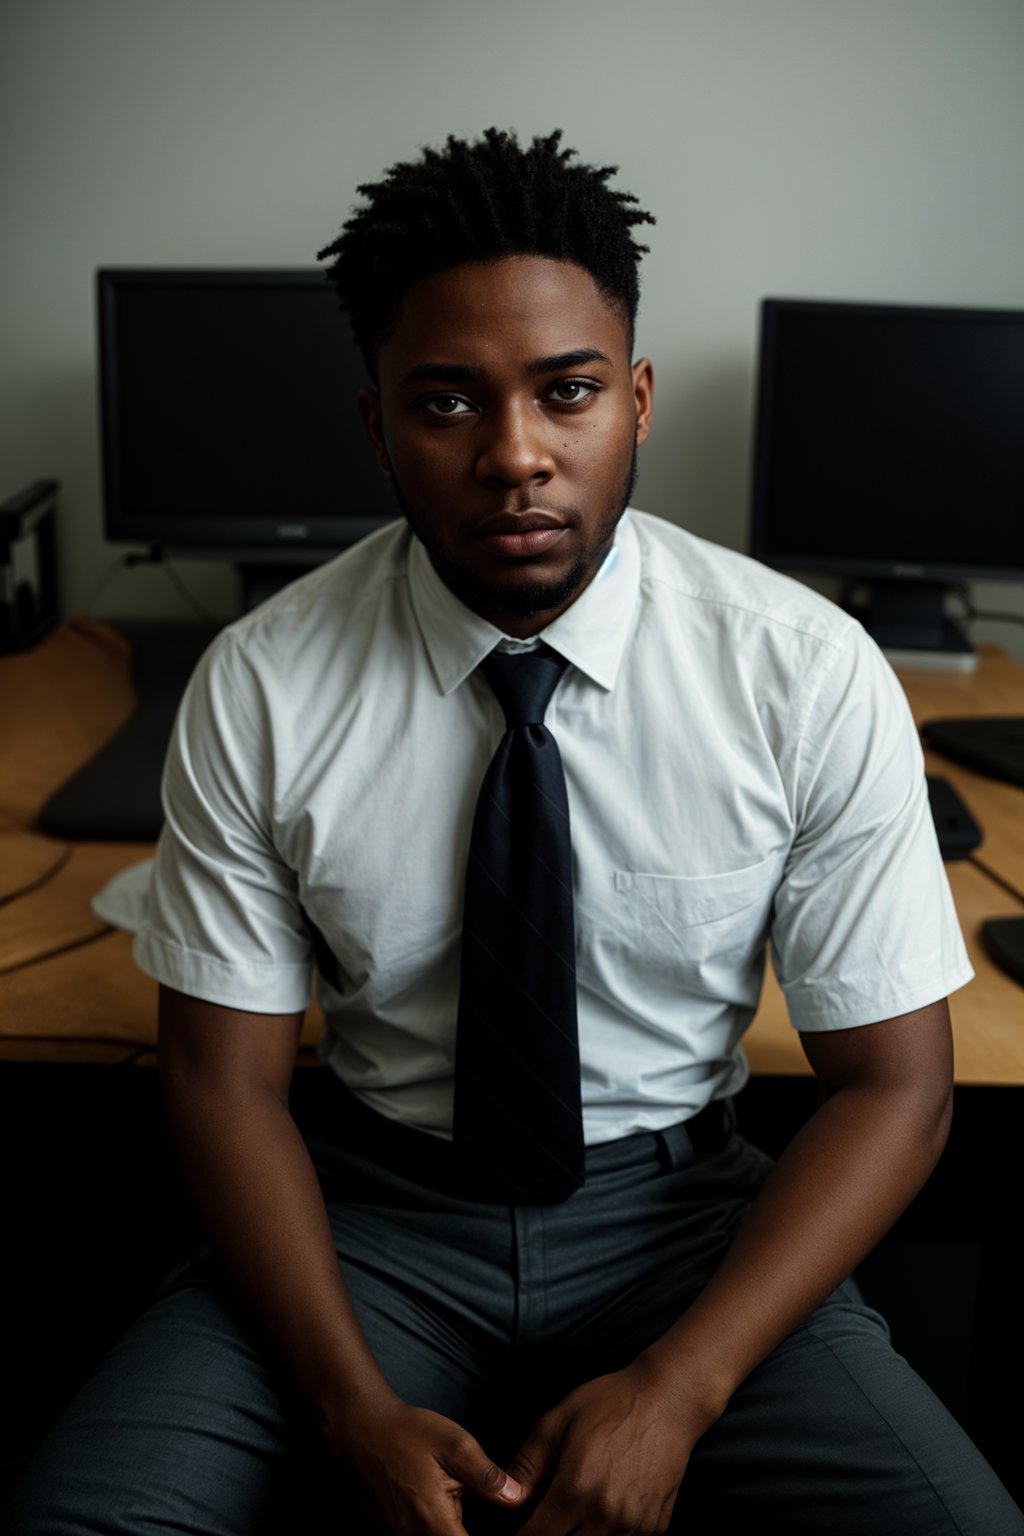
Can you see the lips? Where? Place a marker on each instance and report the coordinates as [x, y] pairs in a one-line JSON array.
[[532, 542], [529, 521], [520, 535]]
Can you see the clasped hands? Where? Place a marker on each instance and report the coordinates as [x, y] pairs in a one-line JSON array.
[[606, 1461]]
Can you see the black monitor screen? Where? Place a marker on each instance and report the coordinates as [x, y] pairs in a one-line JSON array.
[[229, 412], [890, 440]]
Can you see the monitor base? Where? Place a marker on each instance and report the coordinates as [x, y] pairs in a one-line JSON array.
[[908, 621], [931, 661]]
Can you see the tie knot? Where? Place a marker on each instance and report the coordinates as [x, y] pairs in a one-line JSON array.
[[523, 683]]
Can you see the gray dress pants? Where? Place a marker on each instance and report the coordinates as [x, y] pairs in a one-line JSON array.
[[491, 1315]]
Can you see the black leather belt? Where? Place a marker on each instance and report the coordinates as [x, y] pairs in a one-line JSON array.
[[437, 1163], [703, 1135]]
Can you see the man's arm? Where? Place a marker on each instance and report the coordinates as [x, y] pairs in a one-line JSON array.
[[224, 1080], [613, 1454]]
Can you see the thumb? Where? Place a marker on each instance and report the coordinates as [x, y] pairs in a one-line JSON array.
[[531, 1462], [471, 1465]]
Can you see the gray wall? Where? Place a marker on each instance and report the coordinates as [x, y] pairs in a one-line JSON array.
[[861, 149]]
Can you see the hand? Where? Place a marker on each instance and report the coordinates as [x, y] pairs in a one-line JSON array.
[[609, 1459], [413, 1466]]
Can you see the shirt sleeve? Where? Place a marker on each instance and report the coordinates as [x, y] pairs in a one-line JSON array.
[[864, 927], [224, 922]]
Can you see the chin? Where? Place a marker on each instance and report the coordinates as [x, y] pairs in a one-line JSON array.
[[528, 596]]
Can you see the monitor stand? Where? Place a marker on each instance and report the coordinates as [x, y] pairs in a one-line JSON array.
[[262, 570], [261, 581], [908, 621]]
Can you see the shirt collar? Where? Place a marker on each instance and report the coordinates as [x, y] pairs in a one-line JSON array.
[[591, 633]]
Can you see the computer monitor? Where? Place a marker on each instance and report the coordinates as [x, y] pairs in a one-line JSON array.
[[229, 419], [889, 448]]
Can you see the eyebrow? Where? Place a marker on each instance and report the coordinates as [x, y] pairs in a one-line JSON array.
[[462, 373]]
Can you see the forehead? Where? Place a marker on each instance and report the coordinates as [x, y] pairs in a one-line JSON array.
[[499, 312]]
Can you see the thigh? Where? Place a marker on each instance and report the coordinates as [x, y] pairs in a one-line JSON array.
[[835, 1432], [180, 1428], [435, 1283], [187, 1427]]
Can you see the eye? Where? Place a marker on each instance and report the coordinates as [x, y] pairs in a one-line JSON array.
[[571, 391], [446, 405]]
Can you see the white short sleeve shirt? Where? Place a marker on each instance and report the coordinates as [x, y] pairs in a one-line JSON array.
[[742, 770]]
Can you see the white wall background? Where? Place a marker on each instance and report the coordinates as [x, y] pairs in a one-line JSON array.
[[858, 149]]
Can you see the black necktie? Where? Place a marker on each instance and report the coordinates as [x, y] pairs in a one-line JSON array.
[[517, 1062]]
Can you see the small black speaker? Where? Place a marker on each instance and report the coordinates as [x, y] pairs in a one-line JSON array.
[[28, 565]]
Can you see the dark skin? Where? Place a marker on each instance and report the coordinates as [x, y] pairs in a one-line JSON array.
[[610, 1457], [507, 413]]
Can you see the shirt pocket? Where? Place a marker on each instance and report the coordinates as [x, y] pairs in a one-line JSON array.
[[689, 919]]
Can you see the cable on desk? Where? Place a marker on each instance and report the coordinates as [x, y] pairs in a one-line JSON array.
[[1011, 890], [128, 562], [971, 613]]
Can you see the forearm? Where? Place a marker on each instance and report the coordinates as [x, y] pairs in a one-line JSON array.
[[611, 1456], [257, 1194], [835, 1191], [224, 1077]]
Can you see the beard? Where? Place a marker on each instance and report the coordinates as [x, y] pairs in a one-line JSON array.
[[522, 599]]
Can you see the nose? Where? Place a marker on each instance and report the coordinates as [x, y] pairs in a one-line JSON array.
[[515, 449]]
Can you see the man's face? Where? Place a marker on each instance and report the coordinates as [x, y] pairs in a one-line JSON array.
[[508, 414]]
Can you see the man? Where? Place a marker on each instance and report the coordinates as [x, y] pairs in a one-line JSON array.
[[657, 1327]]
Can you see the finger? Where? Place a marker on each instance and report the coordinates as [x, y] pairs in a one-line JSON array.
[[438, 1515], [531, 1463], [470, 1465]]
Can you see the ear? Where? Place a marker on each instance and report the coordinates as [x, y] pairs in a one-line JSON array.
[[372, 417], [643, 394]]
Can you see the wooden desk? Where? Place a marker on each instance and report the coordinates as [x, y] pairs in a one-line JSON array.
[[69, 991], [988, 1014], [71, 996]]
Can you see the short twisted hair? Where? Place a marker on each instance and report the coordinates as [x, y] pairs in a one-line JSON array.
[[480, 202]]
